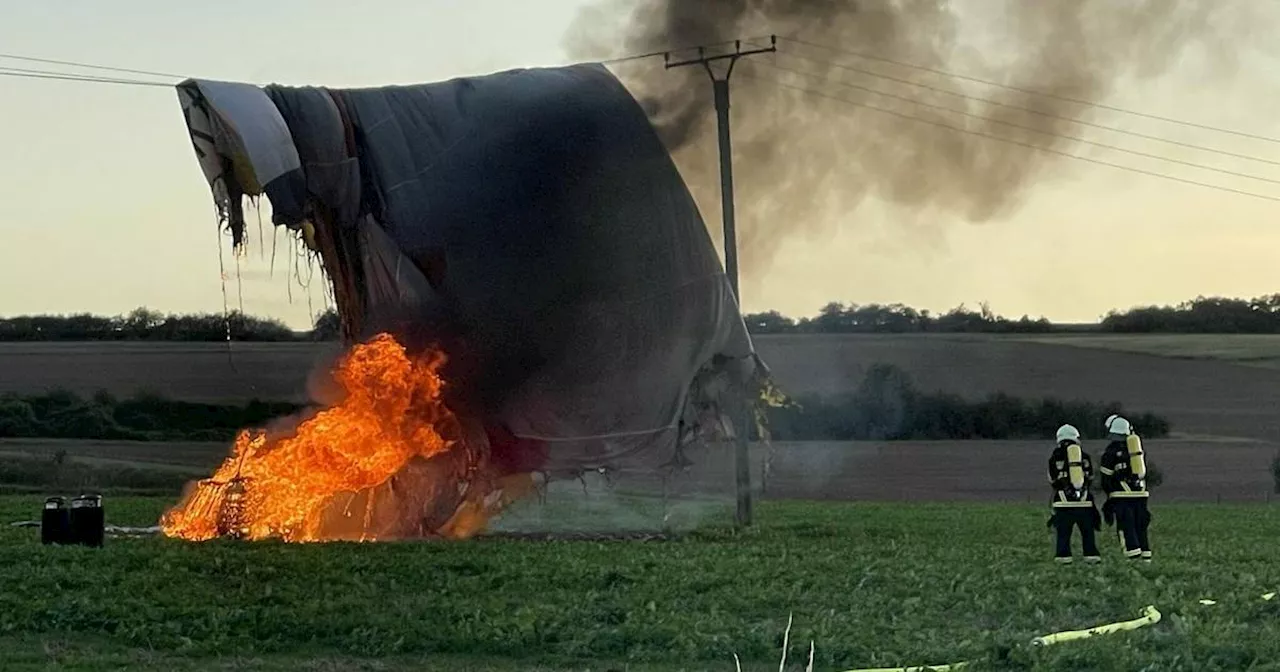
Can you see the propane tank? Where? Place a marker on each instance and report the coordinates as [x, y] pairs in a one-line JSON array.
[[88, 525], [1075, 466], [1137, 463], [55, 523]]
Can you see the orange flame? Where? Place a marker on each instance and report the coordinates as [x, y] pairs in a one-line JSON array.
[[388, 461]]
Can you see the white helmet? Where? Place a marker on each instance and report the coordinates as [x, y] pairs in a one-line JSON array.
[[1106, 424], [1119, 426], [1068, 433]]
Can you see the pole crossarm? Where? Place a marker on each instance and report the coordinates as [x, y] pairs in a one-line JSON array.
[[737, 53]]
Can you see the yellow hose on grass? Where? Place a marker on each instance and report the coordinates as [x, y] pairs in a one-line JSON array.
[[1150, 616]]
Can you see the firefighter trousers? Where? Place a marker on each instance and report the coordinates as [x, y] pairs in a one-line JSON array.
[[1132, 521], [1066, 519]]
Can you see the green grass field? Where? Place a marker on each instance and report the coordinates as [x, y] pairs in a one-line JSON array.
[[872, 585]]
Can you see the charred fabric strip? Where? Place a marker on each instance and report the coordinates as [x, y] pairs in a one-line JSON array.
[[530, 224]]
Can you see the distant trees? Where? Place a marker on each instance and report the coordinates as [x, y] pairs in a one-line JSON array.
[[1202, 315], [143, 324], [895, 318], [328, 326]]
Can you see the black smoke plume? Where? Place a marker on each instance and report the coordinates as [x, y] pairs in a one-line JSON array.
[[805, 163]]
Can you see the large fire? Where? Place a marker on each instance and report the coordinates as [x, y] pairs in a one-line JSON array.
[[388, 461]]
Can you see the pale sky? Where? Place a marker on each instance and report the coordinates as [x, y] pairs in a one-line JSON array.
[[105, 208]]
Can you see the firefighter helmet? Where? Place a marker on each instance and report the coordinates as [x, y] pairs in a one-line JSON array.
[[1119, 427], [1068, 433]]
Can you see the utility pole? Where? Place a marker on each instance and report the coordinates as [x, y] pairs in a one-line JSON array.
[[740, 408]]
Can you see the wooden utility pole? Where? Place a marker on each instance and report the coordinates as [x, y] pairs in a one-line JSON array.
[[740, 408]]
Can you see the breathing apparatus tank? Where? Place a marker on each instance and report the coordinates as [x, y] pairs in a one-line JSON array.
[[1133, 444], [1137, 463], [1070, 436], [1075, 466]]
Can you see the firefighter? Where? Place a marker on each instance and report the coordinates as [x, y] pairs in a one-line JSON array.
[[1071, 474], [1124, 477]]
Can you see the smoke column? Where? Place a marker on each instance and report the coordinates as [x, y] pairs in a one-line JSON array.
[[804, 164]]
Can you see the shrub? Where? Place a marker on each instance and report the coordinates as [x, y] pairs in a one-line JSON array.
[[1275, 471], [86, 422], [17, 418]]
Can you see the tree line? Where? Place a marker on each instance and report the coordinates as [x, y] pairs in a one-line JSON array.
[[894, 318], [1205, 315], [143, 324], [1202, 315]]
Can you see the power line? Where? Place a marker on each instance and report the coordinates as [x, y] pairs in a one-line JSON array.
[[1008, 140], [624, 59], [77, 77], [90, 66], [72, 77], [1031, 129], [1032, 92], [988, 101]]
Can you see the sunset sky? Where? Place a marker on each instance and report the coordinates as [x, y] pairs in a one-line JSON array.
[[106, 209]]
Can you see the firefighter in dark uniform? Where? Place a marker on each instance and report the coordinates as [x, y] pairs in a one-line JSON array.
[[1071, 474], [1124, 477]]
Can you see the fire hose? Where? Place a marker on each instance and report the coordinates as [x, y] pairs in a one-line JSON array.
[[1149, 616]]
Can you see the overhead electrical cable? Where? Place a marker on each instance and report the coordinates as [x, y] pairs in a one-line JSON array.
[[1032, 129], [1028, 110], [956, 75], [1049, 150]]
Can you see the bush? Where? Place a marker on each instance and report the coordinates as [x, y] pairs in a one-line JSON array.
[[1275, 471], [888, 407], [17, 418], [87, 422]]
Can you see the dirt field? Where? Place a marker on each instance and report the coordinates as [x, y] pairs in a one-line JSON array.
[[1250, 349], [1227, 415], [195, 372], [1201, 397], [197, 459]]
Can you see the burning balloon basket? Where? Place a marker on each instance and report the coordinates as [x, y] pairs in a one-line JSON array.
[[232, 517]]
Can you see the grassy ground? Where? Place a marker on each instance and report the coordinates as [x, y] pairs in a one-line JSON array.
[[873, 585]]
